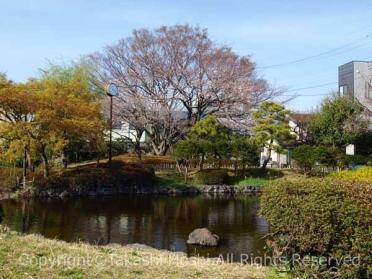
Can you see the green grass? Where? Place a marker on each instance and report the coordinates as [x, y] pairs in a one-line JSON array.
[[254, 177], [31, 256], [172, 179], [252, 181]]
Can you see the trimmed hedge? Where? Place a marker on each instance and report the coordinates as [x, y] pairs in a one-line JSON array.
[[325, 219], [360, 174], [211, 177]]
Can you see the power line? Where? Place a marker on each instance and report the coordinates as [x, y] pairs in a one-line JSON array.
[[342, 48], [311, 87], [306, 95]]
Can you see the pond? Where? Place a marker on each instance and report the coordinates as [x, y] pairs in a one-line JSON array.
[[162, 222]]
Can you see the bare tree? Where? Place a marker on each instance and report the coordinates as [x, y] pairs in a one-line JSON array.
[[174, 76]]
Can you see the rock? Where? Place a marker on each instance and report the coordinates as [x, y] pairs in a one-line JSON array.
[[183, 190], [92, 194], [250, 189], [64, 195], [203, 237]]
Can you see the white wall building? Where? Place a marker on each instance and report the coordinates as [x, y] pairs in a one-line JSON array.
[[126, 132], [298, 122]]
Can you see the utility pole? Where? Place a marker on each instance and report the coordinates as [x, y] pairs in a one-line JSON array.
[[111, 91]]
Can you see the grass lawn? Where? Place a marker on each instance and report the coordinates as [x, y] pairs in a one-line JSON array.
[[173, 179], [254, 181], [31, 256]]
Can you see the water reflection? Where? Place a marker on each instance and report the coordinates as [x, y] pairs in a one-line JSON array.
[[159, 221]]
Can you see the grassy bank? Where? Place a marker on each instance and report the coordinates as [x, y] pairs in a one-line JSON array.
[[252, 177], [31, 256]]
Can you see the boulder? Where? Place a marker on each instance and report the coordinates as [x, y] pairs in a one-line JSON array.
[[203, 237], [64, 195], [183, 190]]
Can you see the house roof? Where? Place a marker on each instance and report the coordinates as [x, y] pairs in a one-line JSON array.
[[301, 117]]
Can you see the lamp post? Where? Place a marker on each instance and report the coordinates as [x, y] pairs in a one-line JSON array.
[[111, 91]]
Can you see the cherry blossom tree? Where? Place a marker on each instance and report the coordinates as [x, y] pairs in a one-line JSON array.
[[174, 76]]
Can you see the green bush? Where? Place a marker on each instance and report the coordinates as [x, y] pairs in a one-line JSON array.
[[211, 177], [348, 160], [307, 156], [261, 173], [321, 218], [304, 157]]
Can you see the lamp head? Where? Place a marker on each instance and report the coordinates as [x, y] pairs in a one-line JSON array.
[[112, 89]]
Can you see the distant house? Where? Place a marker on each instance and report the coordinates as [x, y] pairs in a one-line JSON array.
[[124, 131], [299, 124], [355, 80]]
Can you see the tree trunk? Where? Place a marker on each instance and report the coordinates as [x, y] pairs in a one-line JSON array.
[[138, 151], [98, 159], [267, 160], [64, 159], [160, 149], [24, 167], [243, 167], [30, 165], [45, 163], [178, 167], [186, 173], [201, 164], [165, 150]]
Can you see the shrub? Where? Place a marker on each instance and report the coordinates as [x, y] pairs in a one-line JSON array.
[[261, 173], [211, 177], [304, 156], [307, 156], [348, 160], [321, 218], [359, 174]]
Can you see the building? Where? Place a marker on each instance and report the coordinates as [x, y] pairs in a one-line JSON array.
[[124, 131], [299, 123], [355, 80]]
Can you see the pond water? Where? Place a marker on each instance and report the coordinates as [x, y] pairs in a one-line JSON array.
[[159, 221]]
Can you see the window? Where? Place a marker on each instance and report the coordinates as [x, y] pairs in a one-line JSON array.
[[369, 89], [342, 90]]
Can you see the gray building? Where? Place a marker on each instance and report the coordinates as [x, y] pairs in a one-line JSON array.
[[355, 80]]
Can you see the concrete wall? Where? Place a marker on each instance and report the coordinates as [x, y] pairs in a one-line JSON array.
[[357, 76]]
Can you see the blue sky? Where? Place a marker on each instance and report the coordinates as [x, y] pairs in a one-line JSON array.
[[271, 31]]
